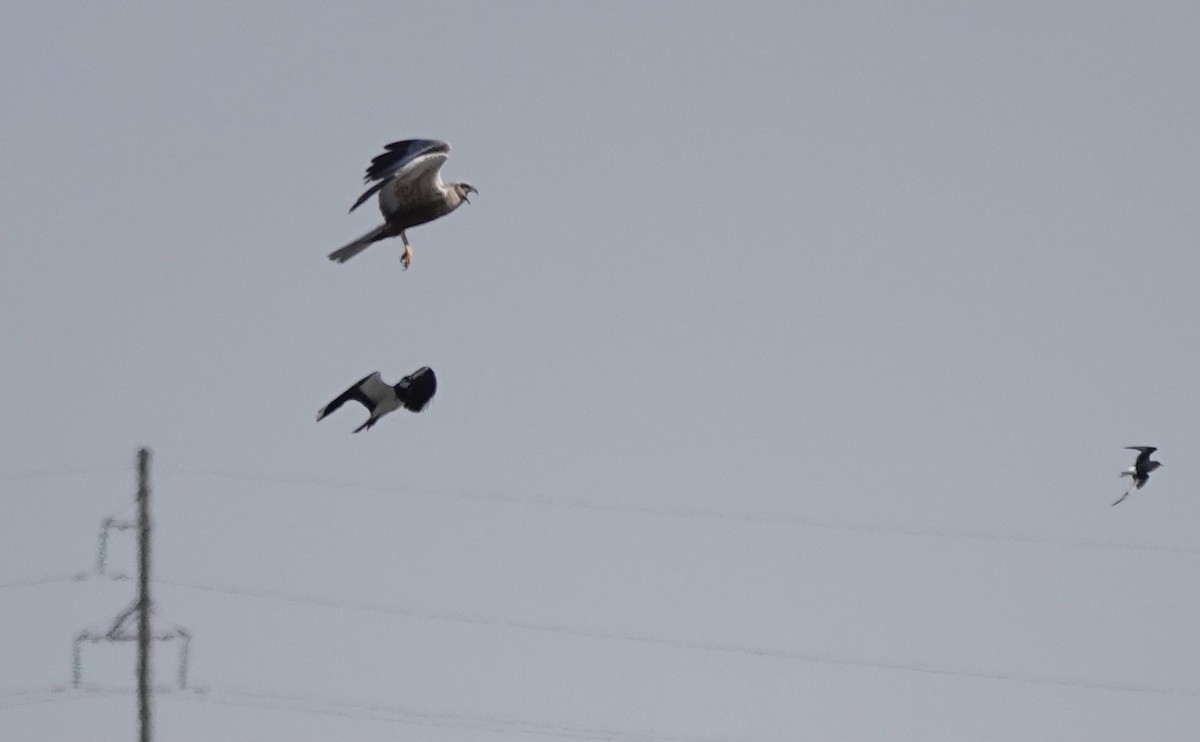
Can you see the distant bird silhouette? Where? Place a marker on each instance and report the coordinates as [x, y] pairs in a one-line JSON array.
[[412, 393], [1140, 471], [411, 192]]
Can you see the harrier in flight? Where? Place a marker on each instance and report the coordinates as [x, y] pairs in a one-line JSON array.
[[408, 179]]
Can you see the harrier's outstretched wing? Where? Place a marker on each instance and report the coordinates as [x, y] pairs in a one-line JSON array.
[[411, 159]]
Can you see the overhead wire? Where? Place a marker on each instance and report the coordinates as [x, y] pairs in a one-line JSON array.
[[17, 698], [809, 656], [47, 580], [499, 724], [65, 472], [802, 655], [698, 513], [310, 704]]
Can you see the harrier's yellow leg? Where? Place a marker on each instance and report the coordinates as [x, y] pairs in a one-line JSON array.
[[406, 258]]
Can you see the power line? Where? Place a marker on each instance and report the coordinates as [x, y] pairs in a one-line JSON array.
[[51, 694], [696, 513], [776, 653], [499, 724], [117, 630], [30, 475], [309, 704], [48, 580], [39, 701], [13, 698], [41, 690]]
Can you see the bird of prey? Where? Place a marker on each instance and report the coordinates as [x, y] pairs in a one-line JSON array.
[[412, 393], [1140, 471], [408, 179]]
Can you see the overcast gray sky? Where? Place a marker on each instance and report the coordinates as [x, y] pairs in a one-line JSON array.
[[786, 357]]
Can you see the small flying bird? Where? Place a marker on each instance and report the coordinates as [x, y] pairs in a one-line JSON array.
[[412, 393], [411, 192], [1140, 471]]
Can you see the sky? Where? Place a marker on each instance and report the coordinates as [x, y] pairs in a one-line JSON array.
[[786, 356]]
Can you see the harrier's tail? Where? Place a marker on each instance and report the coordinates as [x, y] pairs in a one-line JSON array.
[[344, 253]]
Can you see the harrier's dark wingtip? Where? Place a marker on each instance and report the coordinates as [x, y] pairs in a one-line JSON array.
[[367, 194], [398, 154]]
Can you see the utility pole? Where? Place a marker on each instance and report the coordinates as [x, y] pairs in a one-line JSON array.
[[145, 726], [122, 628]]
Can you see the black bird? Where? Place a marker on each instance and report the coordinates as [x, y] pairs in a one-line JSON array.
[[411, 192], [412, 393], [1140, 471]]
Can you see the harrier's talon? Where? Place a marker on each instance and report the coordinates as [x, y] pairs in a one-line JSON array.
[[406, 258]]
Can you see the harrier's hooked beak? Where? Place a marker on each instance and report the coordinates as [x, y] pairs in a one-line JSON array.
[[467, 190]]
